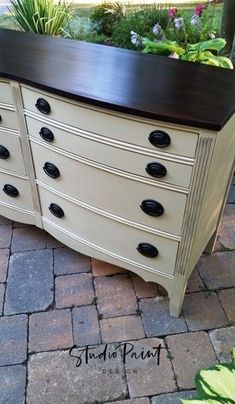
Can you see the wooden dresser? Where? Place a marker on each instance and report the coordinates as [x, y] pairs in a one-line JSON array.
[[122, 156]]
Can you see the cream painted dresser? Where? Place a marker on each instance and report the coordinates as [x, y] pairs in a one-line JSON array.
[[122, 156]]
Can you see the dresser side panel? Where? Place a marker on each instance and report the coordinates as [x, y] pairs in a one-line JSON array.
[[218, 181]]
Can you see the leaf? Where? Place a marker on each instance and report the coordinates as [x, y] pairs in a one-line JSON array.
[[217, 382], [225, 62], [212, 44], [191, 56], [164, 47]]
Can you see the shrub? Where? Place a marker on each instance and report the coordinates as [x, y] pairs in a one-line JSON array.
[[79, 26], [41, 16], [92, 37], [106, 16], [141, 21]]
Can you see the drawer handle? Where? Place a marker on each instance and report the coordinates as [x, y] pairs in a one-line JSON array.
[[152, 207], [0, 118], [4, 153], [56, 210], [148, 250], [10, 190], [156, 170], [51, 170], [160, 139], [43, 106], [46, 134]]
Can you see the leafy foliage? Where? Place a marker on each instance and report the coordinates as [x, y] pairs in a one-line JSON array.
[[189, 39], [106, 16], [200, 52], [41, 16], [216, 384], [140, 21]]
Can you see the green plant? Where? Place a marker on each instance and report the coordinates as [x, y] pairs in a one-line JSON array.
[[200, 52], [140, 21], [195, 27], [41, 16], [106, 15], [216, 384], [177, 40]]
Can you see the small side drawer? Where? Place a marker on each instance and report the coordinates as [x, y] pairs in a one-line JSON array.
[[108, 235], [114, 194], [8, 119], [5, 93], [121, 127], [176, 173], [17, 192], [11, 157]]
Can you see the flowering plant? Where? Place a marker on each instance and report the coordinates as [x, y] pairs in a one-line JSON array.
[[188, 37]]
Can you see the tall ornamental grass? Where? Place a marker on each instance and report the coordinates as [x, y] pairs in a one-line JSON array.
[[42, 16]]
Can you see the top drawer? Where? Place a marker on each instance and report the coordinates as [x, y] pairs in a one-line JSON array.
[[5, 93], [103, 122]]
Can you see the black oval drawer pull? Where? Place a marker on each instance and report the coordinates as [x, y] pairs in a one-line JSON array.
[[4, 153], [0, 118], [148, 250], [51, 170], [43, 106], [160, 139], [156, 170], [10, 190], [46, 134], [56, 210], [152, 207]]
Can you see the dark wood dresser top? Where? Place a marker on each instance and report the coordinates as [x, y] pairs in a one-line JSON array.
[[127, 81]]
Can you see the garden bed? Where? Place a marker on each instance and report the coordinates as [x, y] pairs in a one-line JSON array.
[[149, 28]]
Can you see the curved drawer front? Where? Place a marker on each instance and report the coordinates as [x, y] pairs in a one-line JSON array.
[[107, 124], [108, 235], [5, 93], [8, 119], [112, 193], [21, 200], [11, 144], [112, 156]]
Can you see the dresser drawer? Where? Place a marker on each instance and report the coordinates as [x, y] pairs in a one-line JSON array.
[[103, 233], [110, 192], [17, 191], [107, 124], [8, 119], [111, 155], [5, 93], [11, 157]]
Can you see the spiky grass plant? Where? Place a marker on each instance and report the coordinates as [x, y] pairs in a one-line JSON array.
[[42, 16]]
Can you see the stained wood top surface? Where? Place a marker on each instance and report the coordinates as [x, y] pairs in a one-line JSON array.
[[127, 81]]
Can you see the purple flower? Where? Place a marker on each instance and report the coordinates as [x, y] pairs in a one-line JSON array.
[[195, 20], [157, 29], [172, 12], [179, 23], [136, 39], [199, 9]]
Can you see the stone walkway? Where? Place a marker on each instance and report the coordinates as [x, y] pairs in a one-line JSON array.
[[52, 298]]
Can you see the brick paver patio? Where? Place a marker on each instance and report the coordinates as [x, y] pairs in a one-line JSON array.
[[52, 298]]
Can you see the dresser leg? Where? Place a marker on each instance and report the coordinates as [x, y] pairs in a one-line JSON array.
[[211, 244], [177, 295]]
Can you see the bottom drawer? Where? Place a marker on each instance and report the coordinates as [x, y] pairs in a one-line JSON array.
[[15, 192], [110, 236]]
